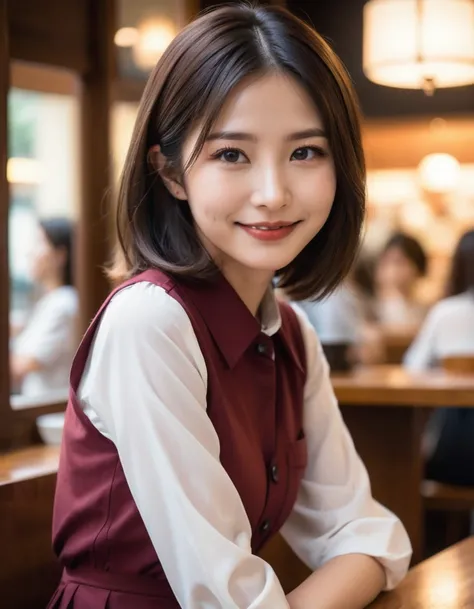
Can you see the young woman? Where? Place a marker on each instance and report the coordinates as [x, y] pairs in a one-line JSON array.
[[400, 266], [202, 418], [42, 352], [449, 331]]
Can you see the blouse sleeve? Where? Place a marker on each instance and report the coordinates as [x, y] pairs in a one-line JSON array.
[[146, 382], [422, 352], [335, 512]]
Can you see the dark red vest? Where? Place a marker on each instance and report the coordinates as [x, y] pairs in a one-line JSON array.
[[255, 402]]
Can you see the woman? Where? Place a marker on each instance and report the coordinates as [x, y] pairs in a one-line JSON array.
[[449, 331], [42, 352], [401, 265], [202, 418], [449, 328]]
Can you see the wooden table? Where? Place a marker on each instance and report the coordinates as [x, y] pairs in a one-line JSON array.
[[445, 581], [385, 409]]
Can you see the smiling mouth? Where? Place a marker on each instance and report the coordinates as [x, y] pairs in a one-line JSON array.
[[269, 226]]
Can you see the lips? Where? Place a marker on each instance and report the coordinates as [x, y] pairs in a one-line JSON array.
[[269, 231], [268, 225]]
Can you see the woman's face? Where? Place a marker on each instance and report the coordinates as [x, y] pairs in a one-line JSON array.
[[47, 263], [264, 183], [395, 270]]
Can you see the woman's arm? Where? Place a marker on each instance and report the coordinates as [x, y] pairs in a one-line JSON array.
[[355, 546], [350, 581], [21, 365]]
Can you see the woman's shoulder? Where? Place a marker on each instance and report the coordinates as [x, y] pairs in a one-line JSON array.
[[144, 308], [453, 305]]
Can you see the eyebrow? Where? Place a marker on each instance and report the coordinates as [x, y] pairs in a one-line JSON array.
[[241, 136]]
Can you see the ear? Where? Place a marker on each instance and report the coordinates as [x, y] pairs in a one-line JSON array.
[[161, 165]]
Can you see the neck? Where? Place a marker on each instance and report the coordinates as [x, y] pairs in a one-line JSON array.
[[251, 286], [51, 284]]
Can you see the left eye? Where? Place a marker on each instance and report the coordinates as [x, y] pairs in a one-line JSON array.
[[307, 153]]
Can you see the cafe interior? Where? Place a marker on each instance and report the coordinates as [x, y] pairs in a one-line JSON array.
[[398, 334]]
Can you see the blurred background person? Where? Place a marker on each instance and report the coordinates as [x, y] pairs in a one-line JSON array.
[[449, 331], [41, 352], [449, 327], [400, 266], [344, 321]]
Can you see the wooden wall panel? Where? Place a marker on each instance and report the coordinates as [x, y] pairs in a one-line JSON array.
[[402, 143], [50, 31], [94, 241], [29, 571]]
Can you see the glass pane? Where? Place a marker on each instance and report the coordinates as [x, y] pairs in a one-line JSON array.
[[43, 178], [123, 121], [144, 30]]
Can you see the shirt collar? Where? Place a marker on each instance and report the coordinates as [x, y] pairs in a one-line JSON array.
[[231, 324]]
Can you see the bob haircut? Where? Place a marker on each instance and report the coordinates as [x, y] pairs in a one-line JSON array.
[[188, 88], [462, 267], [411, 249]]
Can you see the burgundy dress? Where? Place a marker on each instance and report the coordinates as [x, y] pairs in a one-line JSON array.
[[255, 402]]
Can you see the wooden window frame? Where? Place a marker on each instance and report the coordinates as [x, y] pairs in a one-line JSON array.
[[93, 64]]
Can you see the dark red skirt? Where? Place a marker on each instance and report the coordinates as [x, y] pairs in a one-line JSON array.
[[93, 589]]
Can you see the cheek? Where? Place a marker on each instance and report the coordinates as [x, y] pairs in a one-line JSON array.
[[214, 195], [318, 189]]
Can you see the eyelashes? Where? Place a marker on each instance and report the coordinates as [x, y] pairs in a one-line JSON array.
[[235, 156], [229, 155]]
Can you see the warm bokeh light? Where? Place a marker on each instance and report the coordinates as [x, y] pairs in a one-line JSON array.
[[419, 44], [439, 173], [23, 171], [126, 37], [154, 36]]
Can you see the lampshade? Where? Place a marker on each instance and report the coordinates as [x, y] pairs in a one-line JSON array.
[[419, 44]]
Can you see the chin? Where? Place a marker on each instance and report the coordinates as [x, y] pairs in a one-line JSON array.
[[270, 265]]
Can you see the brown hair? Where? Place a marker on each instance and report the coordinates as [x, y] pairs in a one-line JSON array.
[[411, 249], [462, 267], [60, 234], [189, 86]]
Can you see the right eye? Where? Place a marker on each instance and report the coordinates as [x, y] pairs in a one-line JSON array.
[[232, 156]]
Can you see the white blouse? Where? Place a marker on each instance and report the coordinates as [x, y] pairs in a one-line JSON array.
[[144, 387], [447, 331], [50, 338]]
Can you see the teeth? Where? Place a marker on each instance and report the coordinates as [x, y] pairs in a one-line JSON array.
[[267, 227]]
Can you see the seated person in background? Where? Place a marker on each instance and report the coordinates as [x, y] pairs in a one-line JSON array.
[[397, 271], [343, 322], [42, 352], [449, 331], [449, 326]]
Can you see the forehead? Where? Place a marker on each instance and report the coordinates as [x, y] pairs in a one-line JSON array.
[[273, 102]]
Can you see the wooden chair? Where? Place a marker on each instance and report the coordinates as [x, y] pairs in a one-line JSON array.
[[456, 501]]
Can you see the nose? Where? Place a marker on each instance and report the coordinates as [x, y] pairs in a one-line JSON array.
[[271, 190]]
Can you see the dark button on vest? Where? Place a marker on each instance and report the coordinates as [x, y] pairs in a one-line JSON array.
[[265, 526], [274, 473]]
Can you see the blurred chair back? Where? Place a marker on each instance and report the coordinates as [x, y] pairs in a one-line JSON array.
[[459, 364]]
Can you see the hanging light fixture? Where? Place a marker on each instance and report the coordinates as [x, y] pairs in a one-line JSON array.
[[419, 44]]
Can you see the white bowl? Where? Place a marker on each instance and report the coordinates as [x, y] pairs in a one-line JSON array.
[[50, 427]]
